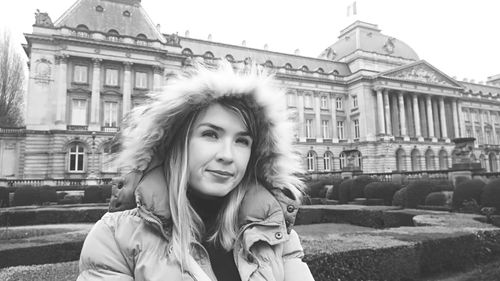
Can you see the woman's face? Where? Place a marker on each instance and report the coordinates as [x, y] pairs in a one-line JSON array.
[[218, 152]]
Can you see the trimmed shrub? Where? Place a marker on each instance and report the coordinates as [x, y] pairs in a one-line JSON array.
[[491, 195], [467, 190], [92, 194], [316, 188], [26, 196], [4, 197], [61, 195], [443, 185], [332, 193], [71, 199], [417, 191], [47, 194], [381, 190], [358, 187], [440, 198], [345, 191], [106, 191], [399, 197]]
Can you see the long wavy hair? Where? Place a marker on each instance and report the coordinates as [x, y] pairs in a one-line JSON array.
[[161, 128]]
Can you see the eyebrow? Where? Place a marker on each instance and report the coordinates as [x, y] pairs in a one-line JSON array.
[[220, 129]]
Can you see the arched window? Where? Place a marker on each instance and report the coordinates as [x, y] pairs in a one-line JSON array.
[[311, 161], [229, 58], [327, 161], [113, 35], [142, 36], [443, 159], [126, 13], [400, 160], [482, 160], [208, 55], [268, 64], [288, 66], [492, 159], [76, 157], [107, 163], [187, 52], [415, 160], [335, 72], [113, 32], [304, 68], [99, 8], [82, 27], [320, 70], [342, 160], [429, 160]]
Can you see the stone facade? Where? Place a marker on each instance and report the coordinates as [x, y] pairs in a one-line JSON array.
[[368, 92]]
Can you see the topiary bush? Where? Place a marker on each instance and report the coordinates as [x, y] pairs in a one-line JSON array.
[[439, 198], [345, 191], [332, 193], [92, 194], [25, 196], [106, 191], [47, 194], [399, 198], [4, 197], [467, 190], [316, 188], [490, 197], [381, 190], [358, 187], [417, 191]]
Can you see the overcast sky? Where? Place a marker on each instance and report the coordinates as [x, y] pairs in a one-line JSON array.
[[461, 38]]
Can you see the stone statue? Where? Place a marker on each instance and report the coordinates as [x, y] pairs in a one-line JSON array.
[[43, 19], [330, 53], [173, 39]]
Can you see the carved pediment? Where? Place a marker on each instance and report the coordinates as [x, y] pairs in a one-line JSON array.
[[421, 72]]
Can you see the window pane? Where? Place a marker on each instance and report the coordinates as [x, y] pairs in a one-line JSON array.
[[72, 162], [79, 112], [80, 162], [112, 77], [141, 80]]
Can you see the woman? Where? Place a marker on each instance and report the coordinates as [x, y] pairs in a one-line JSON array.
[[214, 185]]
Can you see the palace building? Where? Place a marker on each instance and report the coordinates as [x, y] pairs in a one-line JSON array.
[[368, 92]]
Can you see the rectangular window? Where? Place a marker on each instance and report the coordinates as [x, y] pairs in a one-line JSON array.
[[354, 101], [324, 102], [76, 157], [308, 101], [339, 103], [112, 77], [110, 114], [340, 129], [324, 127], [80, 74], [356, 129], [308, 128], [141, 80], [290, 99], [79, 112]]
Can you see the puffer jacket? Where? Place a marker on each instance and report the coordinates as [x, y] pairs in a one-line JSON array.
[[135, 244]]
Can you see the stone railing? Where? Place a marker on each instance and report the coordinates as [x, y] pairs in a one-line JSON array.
[[53, 182]]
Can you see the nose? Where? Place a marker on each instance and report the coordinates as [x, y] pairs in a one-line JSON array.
[[225, 152]]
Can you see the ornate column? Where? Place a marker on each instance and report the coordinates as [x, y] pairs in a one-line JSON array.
[[96, 96], [442, 117], [302, 137], [416, 117], [455, 118], [473, 123], [481, 123], [402, 116], [157, 77], [387, 109], [380, 112], [62, 89], [494, 131], [335, 137], [127, 88], [317, 116], [430, 121], [461, 119]]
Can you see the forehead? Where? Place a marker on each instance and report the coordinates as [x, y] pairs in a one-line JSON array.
[[221, 116]]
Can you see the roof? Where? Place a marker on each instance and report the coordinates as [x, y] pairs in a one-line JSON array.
[[127, 17], [481, 89], [239, 53], [367, 37]]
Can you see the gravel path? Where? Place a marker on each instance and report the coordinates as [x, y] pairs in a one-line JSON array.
[[46, 272]]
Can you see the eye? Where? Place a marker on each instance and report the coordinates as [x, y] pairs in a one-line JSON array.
[[244, 141], [209, 134]]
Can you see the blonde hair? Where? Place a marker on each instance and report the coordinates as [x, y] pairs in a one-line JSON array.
[[162, 128]]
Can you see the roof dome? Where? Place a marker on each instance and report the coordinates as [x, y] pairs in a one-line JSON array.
[[367, 37]]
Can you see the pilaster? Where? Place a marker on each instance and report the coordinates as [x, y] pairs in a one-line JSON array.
[[430, 121], [96, 96], [127, 88], [416, 118], [317, 117]]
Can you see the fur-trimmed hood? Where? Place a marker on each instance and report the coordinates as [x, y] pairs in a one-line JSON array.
[[152, 127]]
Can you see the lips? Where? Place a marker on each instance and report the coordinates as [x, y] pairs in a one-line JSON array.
[[221, 173]]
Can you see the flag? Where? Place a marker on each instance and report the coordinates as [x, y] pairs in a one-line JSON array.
[[351, 9]]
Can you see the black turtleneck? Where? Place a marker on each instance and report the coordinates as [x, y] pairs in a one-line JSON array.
[[221, 260]]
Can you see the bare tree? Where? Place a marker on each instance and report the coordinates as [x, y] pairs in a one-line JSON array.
[[11, 83]]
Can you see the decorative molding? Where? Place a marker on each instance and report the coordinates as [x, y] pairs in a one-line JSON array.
[[421, 73]]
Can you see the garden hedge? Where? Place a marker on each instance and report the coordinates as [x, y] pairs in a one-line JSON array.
[[467, 190], [382, 190], [439, 198], [34, 196], [490, 196], [399, 198], [4, 197], [417, 191]]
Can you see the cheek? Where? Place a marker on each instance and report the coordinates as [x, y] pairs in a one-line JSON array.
[[244, 159]]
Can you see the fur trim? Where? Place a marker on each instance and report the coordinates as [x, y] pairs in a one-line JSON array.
[[154, 123]]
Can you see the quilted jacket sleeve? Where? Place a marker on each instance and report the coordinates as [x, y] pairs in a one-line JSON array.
[[101, 257], [294, 268]]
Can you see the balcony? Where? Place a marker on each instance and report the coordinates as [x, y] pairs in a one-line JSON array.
[[109, 129], [77, 127]]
